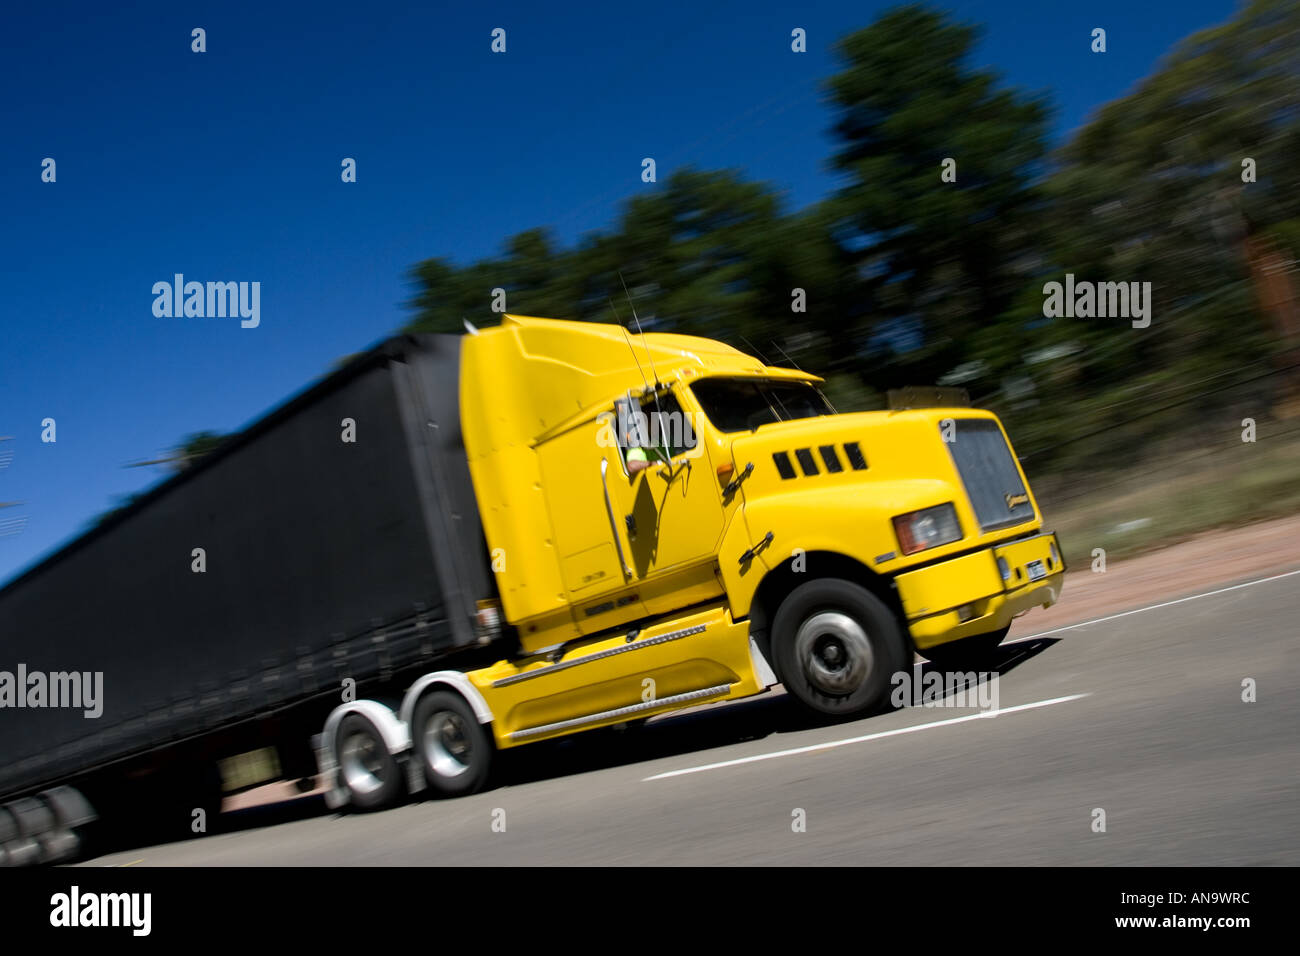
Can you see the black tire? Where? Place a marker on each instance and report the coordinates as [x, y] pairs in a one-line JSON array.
[[969, 651], [454, 750], [837, 647], [8, 825], [370, 774], [16, 848]]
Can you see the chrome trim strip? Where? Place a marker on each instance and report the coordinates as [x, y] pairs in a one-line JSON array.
[[600, 655], [620, 712]]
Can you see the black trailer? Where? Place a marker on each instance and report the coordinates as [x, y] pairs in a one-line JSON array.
[[336, 539]]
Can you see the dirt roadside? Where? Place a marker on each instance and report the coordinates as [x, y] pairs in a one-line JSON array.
[[1209, 560]]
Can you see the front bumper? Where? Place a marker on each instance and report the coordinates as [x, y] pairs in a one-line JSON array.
[[973, 594]]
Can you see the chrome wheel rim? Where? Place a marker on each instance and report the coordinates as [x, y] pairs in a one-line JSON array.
[[363, 760], [834, 653], [447, 748]]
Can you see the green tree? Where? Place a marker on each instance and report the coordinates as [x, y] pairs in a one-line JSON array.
[[708, 254], [192, 448], [1152, 190], [932, 262]]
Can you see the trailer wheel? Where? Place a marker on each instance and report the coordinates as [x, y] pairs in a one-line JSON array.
[[837, 647], [454, 749], [367, 770], [977, 649]]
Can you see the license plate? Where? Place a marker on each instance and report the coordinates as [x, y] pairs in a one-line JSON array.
[[1036, 570]]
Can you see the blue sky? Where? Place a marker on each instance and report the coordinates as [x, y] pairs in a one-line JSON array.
[[225, 166]]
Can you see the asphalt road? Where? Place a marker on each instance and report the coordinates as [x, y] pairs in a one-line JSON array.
[[1161, 741]]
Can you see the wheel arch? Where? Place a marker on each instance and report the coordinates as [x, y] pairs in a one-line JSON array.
[[455, 681], [778, 582], [396, 734]]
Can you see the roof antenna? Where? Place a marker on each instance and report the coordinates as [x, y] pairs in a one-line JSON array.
[[755, 350], [784, 356], [628, 339], [468, 327], [650, 358]]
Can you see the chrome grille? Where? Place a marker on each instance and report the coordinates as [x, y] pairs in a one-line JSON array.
[[989, 472]]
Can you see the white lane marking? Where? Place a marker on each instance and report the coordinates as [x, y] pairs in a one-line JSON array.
[[812, 748], [1153, 607]]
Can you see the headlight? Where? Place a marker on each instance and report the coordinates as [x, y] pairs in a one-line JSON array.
[[927, 528]]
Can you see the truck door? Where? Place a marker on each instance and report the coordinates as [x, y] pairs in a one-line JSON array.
[[582, 470], [633, 544], [674, 515]]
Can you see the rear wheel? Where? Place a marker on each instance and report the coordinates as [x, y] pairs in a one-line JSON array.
[[367, 769], [454, 749], [18, 847], [837, 646], [969, 651]]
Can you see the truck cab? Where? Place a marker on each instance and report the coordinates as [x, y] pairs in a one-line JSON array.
[[768, 539]]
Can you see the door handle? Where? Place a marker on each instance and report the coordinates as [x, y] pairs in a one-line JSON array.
[[734, 484], [609, 510]]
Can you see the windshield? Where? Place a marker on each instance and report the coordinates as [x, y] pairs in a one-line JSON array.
[[743, 404]]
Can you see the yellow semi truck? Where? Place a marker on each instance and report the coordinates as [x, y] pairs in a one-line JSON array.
[[668, 522], [453, 545]]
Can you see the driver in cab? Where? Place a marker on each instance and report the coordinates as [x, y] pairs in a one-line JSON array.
[[638, 457]]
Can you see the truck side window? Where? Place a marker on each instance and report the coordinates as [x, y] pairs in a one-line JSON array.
[[671, 430], [623, 422], [661, 427]]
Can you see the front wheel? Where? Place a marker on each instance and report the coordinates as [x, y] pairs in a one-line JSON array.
[[837, 646], [453, 748]]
